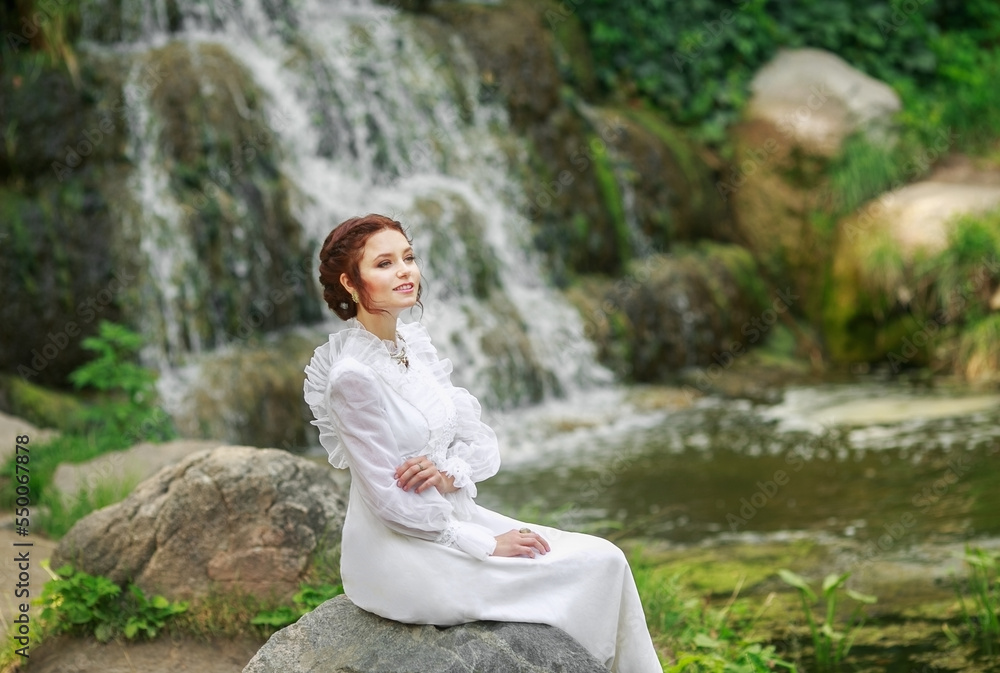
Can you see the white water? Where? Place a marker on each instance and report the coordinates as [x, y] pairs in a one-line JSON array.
[[369, 118]]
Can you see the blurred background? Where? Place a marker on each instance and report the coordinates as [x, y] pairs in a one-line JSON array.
[[722, 272]]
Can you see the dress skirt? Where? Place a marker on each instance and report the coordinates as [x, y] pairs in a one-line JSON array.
[[583, 586]]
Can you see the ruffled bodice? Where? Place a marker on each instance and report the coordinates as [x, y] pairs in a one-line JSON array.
[[374, 411], [418, 384]]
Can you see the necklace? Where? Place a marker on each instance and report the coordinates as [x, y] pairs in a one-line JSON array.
[[397, 351], [399, 354]]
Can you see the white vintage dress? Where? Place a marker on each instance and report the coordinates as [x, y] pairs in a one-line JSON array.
[[425, 558]]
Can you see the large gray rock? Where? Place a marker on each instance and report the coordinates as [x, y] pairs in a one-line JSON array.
[[338, 637], [819, 99], [232, 518]]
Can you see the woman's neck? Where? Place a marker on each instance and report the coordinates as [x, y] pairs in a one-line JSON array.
[[382, 325]]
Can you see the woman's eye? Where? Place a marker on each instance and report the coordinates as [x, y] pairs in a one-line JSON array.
[[384, 263], [411, 258]]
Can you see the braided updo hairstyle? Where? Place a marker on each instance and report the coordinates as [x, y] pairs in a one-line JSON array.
[[341, 253]]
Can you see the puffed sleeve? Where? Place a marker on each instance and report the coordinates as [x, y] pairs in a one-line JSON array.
[[372, 454], [474, 454]]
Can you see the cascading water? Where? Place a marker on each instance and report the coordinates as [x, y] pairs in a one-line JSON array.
[[370, 116]]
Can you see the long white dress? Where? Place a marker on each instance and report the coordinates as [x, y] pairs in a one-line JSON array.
[[425, 558]]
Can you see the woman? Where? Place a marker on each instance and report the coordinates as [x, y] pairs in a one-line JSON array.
[[416, 548]]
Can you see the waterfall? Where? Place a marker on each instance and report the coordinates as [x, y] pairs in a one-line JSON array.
[[371, 113]]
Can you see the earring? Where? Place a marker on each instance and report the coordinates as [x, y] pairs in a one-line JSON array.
[[354, 296]]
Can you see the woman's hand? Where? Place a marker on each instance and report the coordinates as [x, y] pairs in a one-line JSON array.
[[420, 473], [518, 543]]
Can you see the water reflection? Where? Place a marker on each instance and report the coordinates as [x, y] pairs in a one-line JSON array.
[[884, 465]]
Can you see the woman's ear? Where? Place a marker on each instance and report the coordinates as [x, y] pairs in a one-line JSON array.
[[346, 282]]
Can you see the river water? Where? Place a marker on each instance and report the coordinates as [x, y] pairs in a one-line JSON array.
[[884, 464]]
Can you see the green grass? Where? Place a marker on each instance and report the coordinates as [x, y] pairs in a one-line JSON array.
[[982, 617], [59, 512], [692, 637]]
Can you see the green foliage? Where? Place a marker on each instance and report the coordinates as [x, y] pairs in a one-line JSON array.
[[830, 646], [306, 600], [983, 618], [83, 604], [57, 516], [130, 390], [695, 59], [124, 413], [699, 638]]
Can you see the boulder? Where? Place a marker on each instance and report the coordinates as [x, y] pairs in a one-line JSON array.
[[804, 104], [878, 276], [699, 307], [246, 394], [817, 99], [233, 518], [340, 637]]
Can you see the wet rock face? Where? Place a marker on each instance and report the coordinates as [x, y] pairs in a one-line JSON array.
[[233, 518], [249, 396], [602, 185], [54, 209], [337, 636], [687, 309]]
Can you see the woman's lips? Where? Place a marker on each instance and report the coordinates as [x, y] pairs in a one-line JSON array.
[[405, 287]]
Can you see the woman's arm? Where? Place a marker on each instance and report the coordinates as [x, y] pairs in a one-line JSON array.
[[355, 409]]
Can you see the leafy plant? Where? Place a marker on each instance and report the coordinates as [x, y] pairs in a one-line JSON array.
[[77, 602], [983, 619], [696, 637], [129, 389], [830, 646], [306, 600]]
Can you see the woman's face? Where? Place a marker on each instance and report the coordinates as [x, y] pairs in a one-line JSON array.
[[389, 272]]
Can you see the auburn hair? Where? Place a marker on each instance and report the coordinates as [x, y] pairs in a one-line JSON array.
[[342, 252]]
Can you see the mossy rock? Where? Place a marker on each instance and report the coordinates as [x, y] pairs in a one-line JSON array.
[[514, 51], [675, 311], [250, 395], [58, 262], [911, 285], [776, 193], [38, 405]]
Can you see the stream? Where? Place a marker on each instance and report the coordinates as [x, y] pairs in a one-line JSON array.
[[861, 461]]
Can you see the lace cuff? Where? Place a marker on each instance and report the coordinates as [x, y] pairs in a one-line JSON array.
[[456, 467], [473, 539]]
